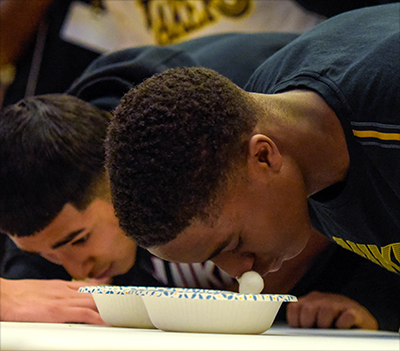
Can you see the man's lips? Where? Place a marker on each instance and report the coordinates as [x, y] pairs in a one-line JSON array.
[[276, 266], [272, 266]]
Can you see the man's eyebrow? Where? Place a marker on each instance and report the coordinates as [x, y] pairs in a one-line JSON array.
[[220, 247], [67, 239]]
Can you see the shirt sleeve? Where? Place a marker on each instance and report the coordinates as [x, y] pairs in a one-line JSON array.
[[18, 264]]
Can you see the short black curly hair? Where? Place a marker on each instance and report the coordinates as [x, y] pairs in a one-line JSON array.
[[171, 146]]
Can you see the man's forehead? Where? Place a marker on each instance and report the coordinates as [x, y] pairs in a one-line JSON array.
[[33, 243], [63, 228]]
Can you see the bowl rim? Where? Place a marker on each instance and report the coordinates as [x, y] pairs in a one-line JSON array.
[[221, 296], [135, 290], [184, 293]]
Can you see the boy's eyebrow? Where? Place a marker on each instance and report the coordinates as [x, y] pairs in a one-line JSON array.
[[67, 239]]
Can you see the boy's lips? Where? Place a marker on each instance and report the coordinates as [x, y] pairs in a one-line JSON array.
[[276, 266], [105, 274], [273, 266]]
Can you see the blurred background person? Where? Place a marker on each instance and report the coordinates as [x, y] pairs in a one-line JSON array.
[[46, 44]]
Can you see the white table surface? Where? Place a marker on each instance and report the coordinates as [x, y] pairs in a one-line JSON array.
[[48, 336]]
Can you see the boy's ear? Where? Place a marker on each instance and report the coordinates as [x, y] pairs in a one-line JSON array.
[[264, 153]]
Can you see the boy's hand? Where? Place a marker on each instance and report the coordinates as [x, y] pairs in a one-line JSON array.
[[48, 301], [326, 310]]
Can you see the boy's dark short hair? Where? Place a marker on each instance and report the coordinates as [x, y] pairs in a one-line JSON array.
[[171, 147], [51, 152]]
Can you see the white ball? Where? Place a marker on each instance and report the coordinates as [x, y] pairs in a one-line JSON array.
[[251, 283]]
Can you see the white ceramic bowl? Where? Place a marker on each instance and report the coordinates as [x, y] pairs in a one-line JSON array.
[[120, 306], [205, 311]]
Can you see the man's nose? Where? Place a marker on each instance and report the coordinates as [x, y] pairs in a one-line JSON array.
[[234, 264], [78, 268]]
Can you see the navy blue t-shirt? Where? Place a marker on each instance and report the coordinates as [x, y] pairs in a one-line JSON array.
[[352, 61]]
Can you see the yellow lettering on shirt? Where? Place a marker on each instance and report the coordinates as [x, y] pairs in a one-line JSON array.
[[387, 256]]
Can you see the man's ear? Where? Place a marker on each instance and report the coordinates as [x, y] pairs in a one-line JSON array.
[[264, 153]]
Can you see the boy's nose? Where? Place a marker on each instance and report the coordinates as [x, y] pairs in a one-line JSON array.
[[234, 264], [79, 269]]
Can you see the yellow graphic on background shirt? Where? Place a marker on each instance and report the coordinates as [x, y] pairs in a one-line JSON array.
[[171, 20], [387, 256]]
